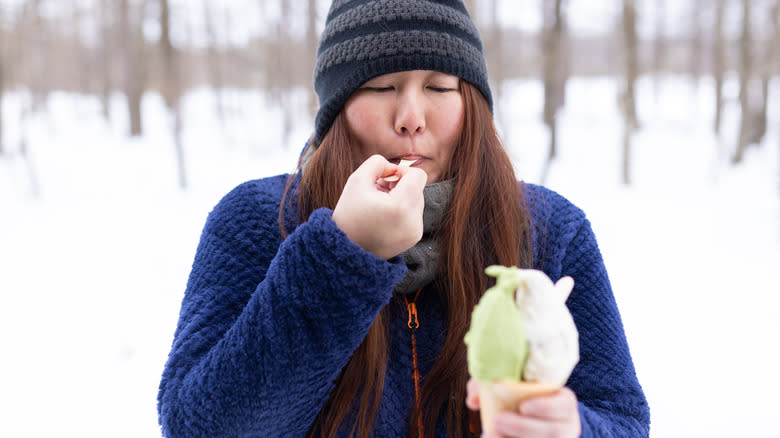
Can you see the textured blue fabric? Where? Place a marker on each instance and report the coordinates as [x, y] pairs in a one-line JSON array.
[[266, 326]]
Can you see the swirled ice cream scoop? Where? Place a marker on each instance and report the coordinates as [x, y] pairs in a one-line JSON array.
[[553, 344], [521, 336]]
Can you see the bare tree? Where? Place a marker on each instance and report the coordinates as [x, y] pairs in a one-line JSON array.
[[659, 49], [746, 125], [3, 67], [471, 6], [311, 45], [494, 50], [214, 60], [105, 49], [554, 71], [78, 52], [133, 61], [282, 72], [170, 74], [718, 60], [768, 63], [696, 41], [627, 94], [2, 86], [775, 63], [34, 37], [171, 87]]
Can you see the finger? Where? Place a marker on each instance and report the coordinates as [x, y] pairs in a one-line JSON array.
[[408, 191], [385, 185], [557, 406], [472, 395], [510, 424], [375, 167], [412, 179]]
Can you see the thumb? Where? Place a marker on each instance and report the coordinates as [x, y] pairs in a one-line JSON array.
[[376, 166], [412, 180]]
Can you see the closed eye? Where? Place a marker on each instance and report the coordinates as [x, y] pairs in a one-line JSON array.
[[379, 89], [441, 89]]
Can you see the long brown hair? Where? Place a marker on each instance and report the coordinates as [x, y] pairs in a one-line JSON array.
[[487, 223]]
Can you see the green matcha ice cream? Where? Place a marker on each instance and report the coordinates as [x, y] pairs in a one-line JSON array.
[[497, 345]]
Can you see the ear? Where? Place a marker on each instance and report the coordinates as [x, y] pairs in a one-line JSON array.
[[563, 287]]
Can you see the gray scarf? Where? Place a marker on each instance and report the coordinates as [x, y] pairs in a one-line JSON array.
[[422, 259]]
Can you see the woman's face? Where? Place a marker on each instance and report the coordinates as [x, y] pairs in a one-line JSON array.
[[412, 115]]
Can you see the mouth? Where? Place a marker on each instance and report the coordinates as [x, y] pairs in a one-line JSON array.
[[409, 160]]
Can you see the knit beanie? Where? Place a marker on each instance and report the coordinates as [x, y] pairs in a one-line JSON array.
[[364, 39]]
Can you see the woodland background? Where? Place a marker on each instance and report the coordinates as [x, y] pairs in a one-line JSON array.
[[123, 122], [99, 47]]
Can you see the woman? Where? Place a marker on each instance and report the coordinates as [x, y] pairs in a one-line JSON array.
[[334, 302]]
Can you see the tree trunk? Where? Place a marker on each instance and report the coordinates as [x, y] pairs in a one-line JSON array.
[[768, 67], [311, 44], [171, 91], [2, 90], [553, 69], [471, 5], [2, 149], [32, 174], [35, 39], [3, 67], [718, 61], [627, 97], [282, 78], [170, 79], [106, 50], [775, 62], [215, 62], [760, 118], [696, 41], [659, 51], [129, 26], [745, 72], [494, 51], [80, 54]]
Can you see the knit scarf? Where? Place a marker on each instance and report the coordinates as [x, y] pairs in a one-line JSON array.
[[422, 260]]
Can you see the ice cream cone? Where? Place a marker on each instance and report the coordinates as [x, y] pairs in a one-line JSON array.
[[505, 396]]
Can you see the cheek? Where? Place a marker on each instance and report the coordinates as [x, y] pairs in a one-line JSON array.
[[452, 124], [362, 121]]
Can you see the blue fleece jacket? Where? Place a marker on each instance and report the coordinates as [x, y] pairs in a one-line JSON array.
[[266, 325]]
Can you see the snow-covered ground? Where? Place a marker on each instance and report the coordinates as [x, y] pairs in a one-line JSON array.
[[92, 270]]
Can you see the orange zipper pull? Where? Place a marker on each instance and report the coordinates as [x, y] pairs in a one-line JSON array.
[[411, 306], [413, 323]]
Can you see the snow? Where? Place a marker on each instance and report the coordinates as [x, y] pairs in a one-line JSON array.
[[93, 268]]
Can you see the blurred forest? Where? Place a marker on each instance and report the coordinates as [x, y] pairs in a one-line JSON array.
[[100, 47]]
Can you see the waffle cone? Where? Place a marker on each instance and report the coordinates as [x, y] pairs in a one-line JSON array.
[[505, 396]]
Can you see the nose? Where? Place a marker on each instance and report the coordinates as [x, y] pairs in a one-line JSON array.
[[410, 113]]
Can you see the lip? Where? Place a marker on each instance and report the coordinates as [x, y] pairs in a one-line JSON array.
[[416, 158]]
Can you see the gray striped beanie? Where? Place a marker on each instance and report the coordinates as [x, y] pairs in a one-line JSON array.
[[368, 38]]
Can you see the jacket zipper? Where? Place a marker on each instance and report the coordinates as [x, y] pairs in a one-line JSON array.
[[414, 324]]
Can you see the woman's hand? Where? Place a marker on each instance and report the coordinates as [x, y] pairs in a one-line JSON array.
[[554, 415], [383, 218]]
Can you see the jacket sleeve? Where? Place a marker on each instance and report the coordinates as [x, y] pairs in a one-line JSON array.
[[265, 328], [611, 400]]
